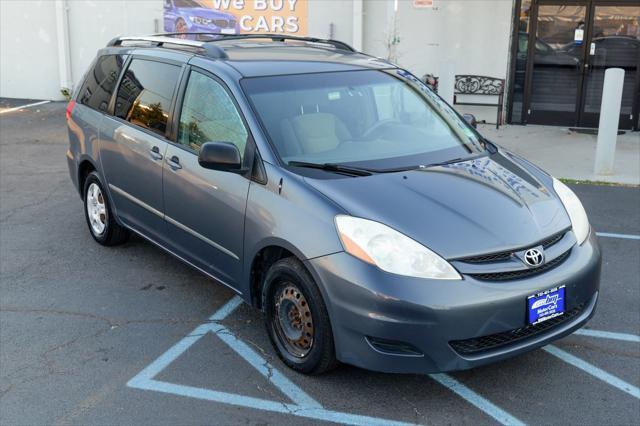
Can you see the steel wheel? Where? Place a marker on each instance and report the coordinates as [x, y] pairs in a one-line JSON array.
[[96, 209], [294, 323]]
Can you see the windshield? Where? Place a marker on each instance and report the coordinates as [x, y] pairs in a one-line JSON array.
[[373, 119]]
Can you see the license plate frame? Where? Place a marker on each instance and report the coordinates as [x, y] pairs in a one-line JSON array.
[[546, 304]]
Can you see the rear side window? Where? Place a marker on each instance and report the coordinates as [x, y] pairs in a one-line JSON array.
[[144, 96], [101, 81]]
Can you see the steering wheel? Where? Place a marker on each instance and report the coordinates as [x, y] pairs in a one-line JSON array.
[[380, 125]]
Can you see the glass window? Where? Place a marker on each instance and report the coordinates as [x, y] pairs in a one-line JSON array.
[[144, 96], [101, 81], [209, 115], [379, 119]]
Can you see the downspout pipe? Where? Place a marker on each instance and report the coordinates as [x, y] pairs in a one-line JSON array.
[[358, 11], [64, 55]]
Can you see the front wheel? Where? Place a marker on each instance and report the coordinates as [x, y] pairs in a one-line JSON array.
[[296, 318]]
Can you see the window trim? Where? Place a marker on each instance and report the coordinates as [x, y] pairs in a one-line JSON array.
[[251, 149], [170, 116]]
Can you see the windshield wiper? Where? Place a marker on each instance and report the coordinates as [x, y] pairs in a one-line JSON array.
[[332, 167]]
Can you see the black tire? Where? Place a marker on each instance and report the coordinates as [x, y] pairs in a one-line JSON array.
[[290, 275], [113, 234]]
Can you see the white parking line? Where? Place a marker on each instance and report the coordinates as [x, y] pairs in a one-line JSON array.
[[23, 107], [303, 404], [608, 335], [614, 235], [473, 398], [596, 372]]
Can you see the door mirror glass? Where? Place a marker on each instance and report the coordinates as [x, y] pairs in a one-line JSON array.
[[471, 119], [223, 156]]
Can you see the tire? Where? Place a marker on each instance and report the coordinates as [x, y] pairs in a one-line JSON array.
[[290, 297], [98, 213]]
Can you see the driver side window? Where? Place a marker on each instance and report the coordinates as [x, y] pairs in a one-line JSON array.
[[209, 115]]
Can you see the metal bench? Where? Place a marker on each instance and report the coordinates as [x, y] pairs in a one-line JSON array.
[[483, 86]]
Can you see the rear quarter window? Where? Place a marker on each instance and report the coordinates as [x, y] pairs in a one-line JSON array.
[[101, 81]]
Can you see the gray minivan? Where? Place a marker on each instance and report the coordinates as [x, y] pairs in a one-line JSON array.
[[336, 193]]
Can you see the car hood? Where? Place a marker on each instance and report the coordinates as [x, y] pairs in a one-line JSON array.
[[473, 207]]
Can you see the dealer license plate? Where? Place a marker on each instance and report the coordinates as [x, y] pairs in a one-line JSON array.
[[546, 305]]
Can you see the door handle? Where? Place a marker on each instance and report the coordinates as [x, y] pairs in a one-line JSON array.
[[155, 153], [174, 163]]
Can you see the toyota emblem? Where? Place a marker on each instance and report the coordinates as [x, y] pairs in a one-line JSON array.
[[533, 257]]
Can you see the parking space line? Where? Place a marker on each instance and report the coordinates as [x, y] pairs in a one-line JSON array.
[[303, 404], [24, 106], [473, 398], [608, 335], [614, 235], [594, 371]]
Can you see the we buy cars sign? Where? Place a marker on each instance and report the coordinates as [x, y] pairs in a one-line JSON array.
[[265, 16]]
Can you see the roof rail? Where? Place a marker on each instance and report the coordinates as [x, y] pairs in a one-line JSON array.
[[159, 40], [274, 37]]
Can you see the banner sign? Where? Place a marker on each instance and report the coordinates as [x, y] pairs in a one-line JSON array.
[[236, 16]]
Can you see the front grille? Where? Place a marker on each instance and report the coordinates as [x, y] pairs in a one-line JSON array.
[[478, 345], [505, 255], [522, 273]]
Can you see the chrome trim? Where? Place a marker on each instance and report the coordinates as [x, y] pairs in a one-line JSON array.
[[200, 236], [135, 200], [173, 221], [151, 240]]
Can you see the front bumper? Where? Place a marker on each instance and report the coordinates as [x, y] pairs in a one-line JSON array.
[[368, 305]]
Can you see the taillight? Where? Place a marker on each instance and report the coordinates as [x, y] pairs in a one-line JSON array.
[[70, 106]]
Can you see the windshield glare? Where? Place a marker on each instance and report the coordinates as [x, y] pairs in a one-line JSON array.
[[373, 119]]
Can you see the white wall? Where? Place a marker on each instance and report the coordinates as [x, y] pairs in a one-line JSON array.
[[28, 50], [322, 13], [29, 53], [454, 37]]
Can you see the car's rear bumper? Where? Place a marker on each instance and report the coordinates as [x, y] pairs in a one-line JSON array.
[[368, 305]]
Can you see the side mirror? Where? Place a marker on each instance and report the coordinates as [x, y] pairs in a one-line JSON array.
[[471, 119], [223, 156]]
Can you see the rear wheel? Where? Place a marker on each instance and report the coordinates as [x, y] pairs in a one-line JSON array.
[[296, 318], [102, 225]]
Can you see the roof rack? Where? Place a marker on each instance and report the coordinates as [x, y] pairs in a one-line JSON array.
[[159, 40], [210, 49], [274, 37]]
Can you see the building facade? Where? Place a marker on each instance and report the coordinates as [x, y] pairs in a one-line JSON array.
[[46, 45]]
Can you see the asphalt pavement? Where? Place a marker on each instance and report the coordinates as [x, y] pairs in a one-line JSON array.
[[125, 335]]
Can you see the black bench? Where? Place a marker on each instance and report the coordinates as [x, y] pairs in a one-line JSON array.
[[480, 85]]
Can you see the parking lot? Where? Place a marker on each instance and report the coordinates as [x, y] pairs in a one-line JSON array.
[[130, 335]]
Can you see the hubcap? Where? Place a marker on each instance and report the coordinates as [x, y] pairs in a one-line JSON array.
[[293, 321], [96, 209]]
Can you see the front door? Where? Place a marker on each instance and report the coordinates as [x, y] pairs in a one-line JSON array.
[[205, 209], [574, 43]]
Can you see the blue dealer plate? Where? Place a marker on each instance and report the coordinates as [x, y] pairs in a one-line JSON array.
[[545, 305]]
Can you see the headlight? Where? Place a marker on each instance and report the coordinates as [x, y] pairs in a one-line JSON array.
[[574, 208], [390, 250]]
